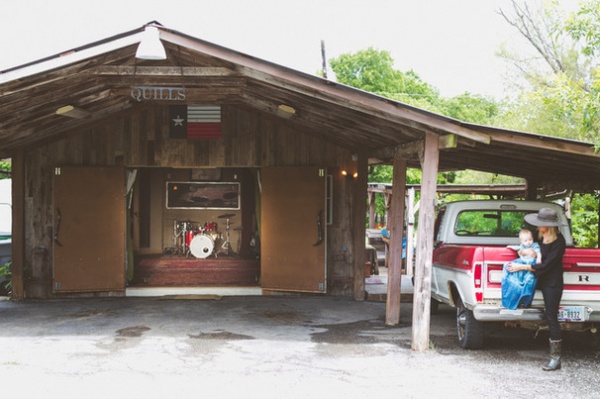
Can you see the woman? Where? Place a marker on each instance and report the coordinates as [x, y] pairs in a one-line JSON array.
[[549, 274]]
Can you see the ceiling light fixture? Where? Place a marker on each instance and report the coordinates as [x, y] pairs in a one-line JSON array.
[[151, 48], [285, 111], [73, 112]]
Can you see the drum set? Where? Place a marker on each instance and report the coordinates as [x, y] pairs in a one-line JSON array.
[[200, 240]]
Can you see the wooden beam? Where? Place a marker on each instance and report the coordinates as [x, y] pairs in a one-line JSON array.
[[505, 189], [359, 222], [517, 139], [447, 141], [18, 225], [413, 149], [130, 70], [396, 227], [422, 289]]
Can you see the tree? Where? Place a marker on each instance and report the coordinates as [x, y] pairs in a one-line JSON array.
[[561, 91], [373, 70], [559, 75], [470, 108], [584, 27]]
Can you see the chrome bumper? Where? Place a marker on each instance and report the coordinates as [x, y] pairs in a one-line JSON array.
[[498, 313]]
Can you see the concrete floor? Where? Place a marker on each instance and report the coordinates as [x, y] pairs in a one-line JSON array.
[[264, 347]]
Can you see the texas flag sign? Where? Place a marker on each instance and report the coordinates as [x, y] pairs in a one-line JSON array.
[[195, 121]]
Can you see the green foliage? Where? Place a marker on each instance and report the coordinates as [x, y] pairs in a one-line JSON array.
[[584, 217], [475, 177], [5, 168], [489, 223], [584, 26], [384, 174], [6, 279], [369, 70], [470, 108], [373, 71]]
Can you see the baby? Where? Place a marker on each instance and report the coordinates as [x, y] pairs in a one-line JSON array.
[[529, 251], [518, 288]]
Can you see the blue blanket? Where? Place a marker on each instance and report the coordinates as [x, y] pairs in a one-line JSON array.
[[518, 288]]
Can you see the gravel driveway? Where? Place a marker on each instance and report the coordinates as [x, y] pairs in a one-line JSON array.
[[268, 347]]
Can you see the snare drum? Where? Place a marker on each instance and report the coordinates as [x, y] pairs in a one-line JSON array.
[[202, 246]]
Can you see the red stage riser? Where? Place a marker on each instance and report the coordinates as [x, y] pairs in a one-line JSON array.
[[192, 272]]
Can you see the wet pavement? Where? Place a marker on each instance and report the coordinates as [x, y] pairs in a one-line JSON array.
[[267, 347]]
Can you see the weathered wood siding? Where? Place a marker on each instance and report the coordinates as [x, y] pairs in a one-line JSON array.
[[140, 138]]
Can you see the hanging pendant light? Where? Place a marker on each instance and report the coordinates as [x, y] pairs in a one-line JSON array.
[[151, 48]]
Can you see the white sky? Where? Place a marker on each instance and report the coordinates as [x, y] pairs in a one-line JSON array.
[[451, 44]]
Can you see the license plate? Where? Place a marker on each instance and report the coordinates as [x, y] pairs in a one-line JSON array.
[[572, 313]]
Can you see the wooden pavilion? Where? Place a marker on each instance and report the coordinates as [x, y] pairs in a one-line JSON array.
[[225, 169]]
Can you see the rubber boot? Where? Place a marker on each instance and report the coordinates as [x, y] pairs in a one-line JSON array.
[[554, 363]]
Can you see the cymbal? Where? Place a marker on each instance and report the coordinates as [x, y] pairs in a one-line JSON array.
[[226, 215]]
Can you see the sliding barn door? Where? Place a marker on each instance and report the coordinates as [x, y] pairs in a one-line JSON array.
[[293, 227], [89, 229]]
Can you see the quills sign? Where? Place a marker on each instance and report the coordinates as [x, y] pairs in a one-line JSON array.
[[146, 93]]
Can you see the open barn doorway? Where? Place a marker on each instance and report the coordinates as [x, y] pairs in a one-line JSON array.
[[193, 228], [248, 229]]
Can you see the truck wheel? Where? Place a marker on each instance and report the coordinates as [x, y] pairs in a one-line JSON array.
[[469, 330]]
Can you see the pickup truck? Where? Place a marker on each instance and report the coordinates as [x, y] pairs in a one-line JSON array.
[[472, 240]]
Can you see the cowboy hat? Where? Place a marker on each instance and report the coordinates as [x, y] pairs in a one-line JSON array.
[[544, 217]]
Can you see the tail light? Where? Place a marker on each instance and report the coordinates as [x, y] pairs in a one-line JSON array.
[[477, 273]]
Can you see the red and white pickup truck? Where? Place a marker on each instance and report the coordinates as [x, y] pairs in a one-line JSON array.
[[471, 242]]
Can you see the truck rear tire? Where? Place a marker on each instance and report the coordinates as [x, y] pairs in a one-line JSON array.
[[468, 329]]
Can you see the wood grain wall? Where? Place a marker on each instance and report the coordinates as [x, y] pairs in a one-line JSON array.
[[139, 138]]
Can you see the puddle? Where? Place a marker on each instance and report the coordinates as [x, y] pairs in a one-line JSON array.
[[359, 332], [132, 332], [221, 336]]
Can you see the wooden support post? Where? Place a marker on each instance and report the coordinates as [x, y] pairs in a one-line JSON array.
[[387, 200], [410, 227], [371, 196], [359, 222], [422, 288], [396, 228], [18, 225], [531, 191]]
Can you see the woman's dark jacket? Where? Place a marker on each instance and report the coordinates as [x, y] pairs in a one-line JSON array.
[[550, 271]]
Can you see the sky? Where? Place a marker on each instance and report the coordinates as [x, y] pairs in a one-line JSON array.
[[450, 44]]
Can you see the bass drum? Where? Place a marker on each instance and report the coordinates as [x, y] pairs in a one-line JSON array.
[[202, 246]]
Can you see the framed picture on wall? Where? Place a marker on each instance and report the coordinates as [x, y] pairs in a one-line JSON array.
[[205, 195]]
